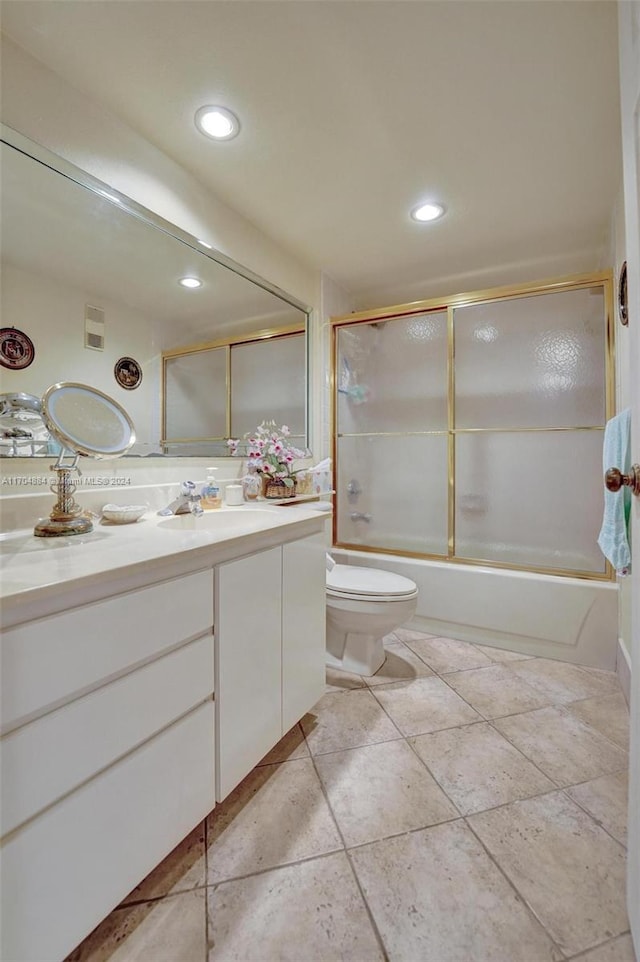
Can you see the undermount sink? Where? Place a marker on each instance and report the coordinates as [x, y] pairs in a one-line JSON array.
[[227, 521]]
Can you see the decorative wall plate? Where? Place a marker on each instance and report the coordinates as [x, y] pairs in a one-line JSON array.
[[623, 310], [16, 349], [128, 373]]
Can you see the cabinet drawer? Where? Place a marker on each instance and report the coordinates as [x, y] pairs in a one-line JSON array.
[[44, 760], [65, 870], [47, 662]]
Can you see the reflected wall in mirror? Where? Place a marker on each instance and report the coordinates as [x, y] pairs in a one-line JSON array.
[[75, 253]]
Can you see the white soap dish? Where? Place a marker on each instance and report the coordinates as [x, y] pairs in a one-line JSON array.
[[123, 513]]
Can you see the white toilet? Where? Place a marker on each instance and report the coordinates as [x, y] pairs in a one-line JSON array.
[[364, 605]]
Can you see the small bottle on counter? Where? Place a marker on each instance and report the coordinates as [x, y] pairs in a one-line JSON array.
[[210, 497], [251, 484]]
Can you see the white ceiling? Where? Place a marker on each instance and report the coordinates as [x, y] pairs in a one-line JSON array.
[[352, 111]]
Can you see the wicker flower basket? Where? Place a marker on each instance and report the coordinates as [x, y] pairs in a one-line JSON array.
[[274, 488]]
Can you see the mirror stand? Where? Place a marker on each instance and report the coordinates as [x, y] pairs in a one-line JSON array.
[[66, 515]]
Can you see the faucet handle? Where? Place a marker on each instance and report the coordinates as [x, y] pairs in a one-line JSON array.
[[187, 487]]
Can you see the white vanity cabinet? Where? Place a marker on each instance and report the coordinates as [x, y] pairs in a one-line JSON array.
[[270, 651], [106, 756], [110, 751]]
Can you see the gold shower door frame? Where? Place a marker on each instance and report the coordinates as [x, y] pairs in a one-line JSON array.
[[601, 279]]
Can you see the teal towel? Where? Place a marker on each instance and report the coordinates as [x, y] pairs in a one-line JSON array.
[[613, 539]]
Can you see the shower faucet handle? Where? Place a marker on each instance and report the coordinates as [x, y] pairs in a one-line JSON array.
[[353, 490], [615, 479]]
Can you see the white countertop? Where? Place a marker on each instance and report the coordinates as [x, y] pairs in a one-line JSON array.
[[42, 575]]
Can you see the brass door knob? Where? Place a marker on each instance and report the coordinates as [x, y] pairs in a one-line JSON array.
[[615, 479]]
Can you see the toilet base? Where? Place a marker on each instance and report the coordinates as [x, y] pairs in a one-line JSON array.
[[361, 654]]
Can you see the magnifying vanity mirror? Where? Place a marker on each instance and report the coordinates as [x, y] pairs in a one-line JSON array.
[[85, 423], [91, 280]]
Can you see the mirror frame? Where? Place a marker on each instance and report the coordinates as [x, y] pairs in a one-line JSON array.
[[65, 168], [62, 435]]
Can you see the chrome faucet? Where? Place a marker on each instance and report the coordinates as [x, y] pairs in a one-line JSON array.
[[360, 516], [187, 502]]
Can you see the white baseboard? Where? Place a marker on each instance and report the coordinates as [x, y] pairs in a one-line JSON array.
[[623, 670]]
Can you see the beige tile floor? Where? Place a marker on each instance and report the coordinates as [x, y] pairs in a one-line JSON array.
[[467, 804]]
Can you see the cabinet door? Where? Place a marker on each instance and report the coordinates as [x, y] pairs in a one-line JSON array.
[[248, 615], [303, 627]]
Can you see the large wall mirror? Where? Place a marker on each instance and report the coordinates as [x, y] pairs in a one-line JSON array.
[[92, 280]]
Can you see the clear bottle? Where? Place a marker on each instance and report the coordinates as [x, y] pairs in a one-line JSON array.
[[251, 484], [210, 497]]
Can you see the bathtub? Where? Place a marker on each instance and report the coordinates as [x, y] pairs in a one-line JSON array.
[[569, 619]]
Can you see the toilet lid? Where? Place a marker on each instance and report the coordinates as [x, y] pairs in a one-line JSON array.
[[348, 580]]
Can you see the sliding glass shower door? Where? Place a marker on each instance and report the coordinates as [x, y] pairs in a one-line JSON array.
[[471, 429], [393, 433]]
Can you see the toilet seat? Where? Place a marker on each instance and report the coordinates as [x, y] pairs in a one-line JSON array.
[[368, 584]]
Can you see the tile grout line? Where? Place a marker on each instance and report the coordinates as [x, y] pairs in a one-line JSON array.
[[273, 868], [517, 891], [508, 714], [558, 707], [353, 871], [563, 707], [600, 945], [592, 816], [491, 808], [535, 764]]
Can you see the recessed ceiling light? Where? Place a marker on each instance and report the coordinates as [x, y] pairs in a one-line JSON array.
[[427, 212], [190, 282], [217, 122]]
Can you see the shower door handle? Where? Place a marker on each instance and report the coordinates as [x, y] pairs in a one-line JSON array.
[[615, 479]]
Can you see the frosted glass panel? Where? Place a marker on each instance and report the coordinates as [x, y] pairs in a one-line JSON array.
[[532, 499], [392, 375], [403, 484], [196, 395], [535, 361], [268, 382]]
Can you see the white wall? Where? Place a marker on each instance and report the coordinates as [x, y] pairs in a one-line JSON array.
[[332, 301]]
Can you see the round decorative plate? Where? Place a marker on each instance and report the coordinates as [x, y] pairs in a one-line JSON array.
[[16, 349], [128, 373], [623, 310]]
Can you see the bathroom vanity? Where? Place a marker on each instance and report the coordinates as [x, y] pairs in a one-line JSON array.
[[146, 669]]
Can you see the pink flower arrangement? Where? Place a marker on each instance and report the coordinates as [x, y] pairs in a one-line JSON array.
[[270, 452]]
